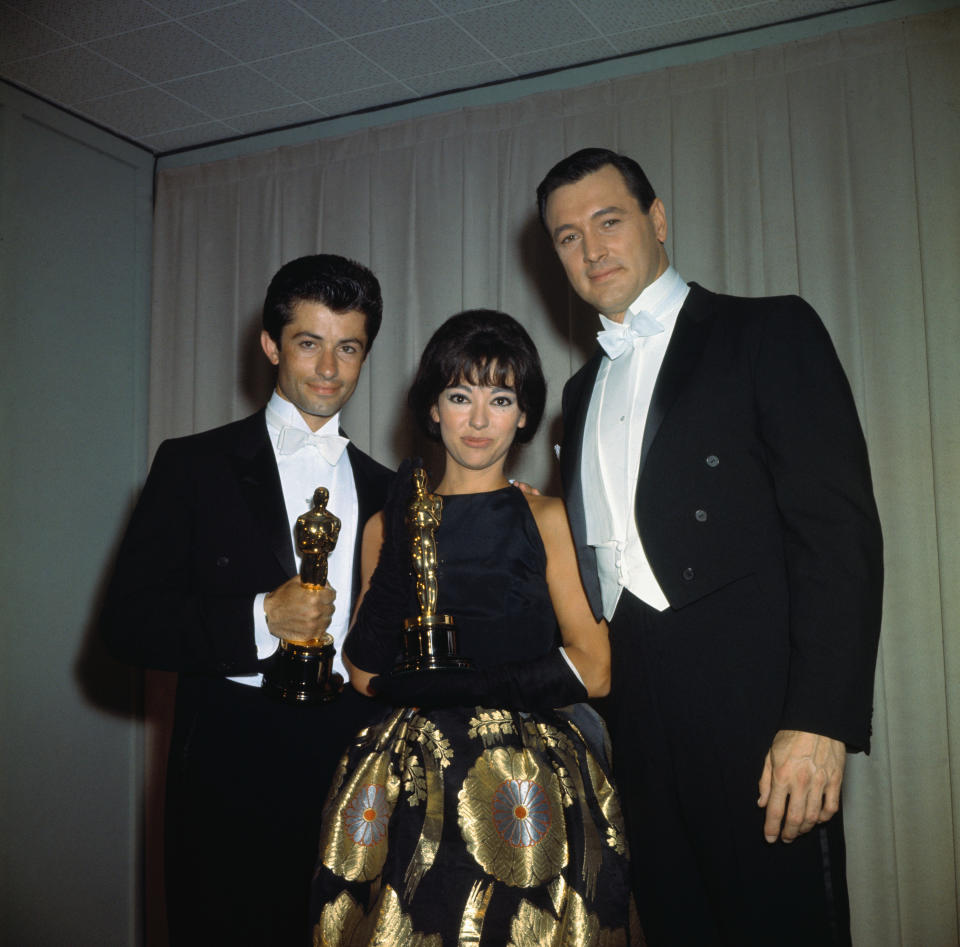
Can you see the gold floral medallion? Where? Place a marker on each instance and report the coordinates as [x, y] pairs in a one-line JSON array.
[[511, 817]]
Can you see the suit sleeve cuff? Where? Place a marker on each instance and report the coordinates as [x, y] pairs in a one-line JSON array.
[[265, 642]]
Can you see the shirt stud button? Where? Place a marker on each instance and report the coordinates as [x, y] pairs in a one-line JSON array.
[[712, 460], [701, 516]]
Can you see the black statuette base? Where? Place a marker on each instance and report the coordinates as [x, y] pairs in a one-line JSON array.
[[301, 674], [430, 643]]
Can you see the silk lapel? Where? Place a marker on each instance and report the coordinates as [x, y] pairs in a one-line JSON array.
[[679, 363], [367, 505], [578, 400], [572, 449], [260, 487]]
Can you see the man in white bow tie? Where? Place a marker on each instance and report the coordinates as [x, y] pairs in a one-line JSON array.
[[207, 584], [719, 494]]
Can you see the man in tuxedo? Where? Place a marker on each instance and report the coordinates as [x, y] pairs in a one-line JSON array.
[[206, 584], [719, 494]]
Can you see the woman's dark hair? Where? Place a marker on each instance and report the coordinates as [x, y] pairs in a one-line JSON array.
[[340, 284], [482, 347]]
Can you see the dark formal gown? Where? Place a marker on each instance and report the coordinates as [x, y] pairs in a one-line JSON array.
[[476, 825]]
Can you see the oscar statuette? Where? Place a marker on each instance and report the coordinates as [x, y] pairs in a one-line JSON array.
[[429, 640], [300, 672]]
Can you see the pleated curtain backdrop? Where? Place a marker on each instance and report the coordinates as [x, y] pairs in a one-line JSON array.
[[827, 167]]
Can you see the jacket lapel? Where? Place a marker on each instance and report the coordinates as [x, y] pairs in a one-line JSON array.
[[577, 402], [369, 501], [259, 482], [679, 363]]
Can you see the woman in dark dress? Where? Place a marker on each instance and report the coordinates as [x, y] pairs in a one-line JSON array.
[[479, 810]]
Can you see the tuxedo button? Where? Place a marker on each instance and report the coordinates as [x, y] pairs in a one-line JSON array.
[[700, 516], [688, 574], [712, 460], [223, 561]]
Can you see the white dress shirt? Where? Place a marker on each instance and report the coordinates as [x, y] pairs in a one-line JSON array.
[[301, 473], [613, 436]]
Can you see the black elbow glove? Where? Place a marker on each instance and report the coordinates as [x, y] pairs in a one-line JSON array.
[[539, 684]]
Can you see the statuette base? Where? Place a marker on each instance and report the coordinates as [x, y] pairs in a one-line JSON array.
[[430, 644], [301, 673]]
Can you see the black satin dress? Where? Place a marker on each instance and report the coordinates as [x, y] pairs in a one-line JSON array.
[[476, 825]]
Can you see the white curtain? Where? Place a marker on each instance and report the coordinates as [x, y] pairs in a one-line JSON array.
[[827, 167]]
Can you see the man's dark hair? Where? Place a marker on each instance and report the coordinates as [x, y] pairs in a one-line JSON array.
[[581, 163], [340, 284], [481, 347]]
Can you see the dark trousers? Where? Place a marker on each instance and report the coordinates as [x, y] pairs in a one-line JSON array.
[[246, 785], [689, 740]]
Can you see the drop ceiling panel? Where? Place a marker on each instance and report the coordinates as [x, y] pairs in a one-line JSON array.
[[172, 74], [252, 30]]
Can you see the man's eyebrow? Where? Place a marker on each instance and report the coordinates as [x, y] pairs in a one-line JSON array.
[[612, 209], [306, 334]]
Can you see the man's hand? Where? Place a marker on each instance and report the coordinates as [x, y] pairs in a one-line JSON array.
[[807, 769], [299, 614], [526, 488]]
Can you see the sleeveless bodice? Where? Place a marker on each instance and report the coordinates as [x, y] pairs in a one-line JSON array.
[[492, 577]]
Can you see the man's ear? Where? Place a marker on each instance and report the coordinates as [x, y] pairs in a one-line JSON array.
[[658, 217], [270, 348]]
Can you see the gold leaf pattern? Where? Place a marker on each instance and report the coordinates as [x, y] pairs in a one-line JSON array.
[[344, 924], [609, 803], [414, 781], [617, 840], [474, 912], [491, 726], [575, 791]]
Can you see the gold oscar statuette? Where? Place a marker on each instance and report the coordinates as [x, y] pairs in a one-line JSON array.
[[300, 672], [429, 639]]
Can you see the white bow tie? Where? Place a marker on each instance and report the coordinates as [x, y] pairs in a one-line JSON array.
[[329, 446], [620, 339]]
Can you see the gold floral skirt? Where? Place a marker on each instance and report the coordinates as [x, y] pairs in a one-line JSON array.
[[474, 826]]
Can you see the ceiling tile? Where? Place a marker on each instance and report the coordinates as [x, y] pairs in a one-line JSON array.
[[271, 119], [21, 36], [461, 6], [87, 21], [367, 16], [365, 98], [227, 92], [163, 52], [253, 30], [71, 75], [322, 70], [666, 34], [186, 7], [524, 25], [146, 111], [746, 15], [618, 16], [793, 8], [559, 57], [463, 77], [418, 50]]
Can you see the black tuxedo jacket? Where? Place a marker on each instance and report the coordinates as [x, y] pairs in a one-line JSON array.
[[208, 534], [754, 480], [247, 774]]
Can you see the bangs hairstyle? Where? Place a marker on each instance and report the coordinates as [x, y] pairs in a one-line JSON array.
[[480, 347]]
